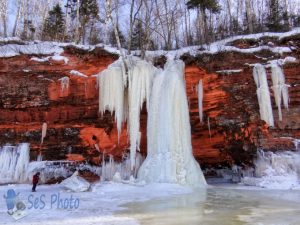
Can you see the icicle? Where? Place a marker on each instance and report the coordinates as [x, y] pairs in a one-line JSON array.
[[64, 83], [103, 168], [140, 81], [200, 100], [44, 132], [263, 94], [280, 89], [208, 125], [170, 158], [39, 158], [111, 92]]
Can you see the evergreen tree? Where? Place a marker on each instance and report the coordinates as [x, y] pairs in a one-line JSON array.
[[203, 5], [54, 25], [88, 11], [138, 36], [276, 17], [211, 5], [113, 40]]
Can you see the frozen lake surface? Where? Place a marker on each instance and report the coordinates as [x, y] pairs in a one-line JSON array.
[[117, 203]]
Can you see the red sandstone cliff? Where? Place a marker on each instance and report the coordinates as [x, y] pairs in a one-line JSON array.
[[31, 93]]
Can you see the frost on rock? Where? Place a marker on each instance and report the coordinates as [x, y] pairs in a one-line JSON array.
[[64, 83], [76, 183], [263, 94], [280, 89], [200, 100], [170, 158], [14, 162]]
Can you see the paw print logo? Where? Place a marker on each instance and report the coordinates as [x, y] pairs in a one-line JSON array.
[[10, 200], [13, 203]]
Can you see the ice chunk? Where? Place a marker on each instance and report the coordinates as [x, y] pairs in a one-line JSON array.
[[76, 183]]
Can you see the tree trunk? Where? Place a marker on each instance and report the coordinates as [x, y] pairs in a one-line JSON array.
[[249, 16]]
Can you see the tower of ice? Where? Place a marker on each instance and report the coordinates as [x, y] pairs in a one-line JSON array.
[[170, 158]]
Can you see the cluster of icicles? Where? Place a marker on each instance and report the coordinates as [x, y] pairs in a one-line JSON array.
[[280, 90], [169, 150], [14, 162]]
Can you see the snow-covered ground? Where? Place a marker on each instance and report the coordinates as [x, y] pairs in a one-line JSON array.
[[95, 206], [118, 203]]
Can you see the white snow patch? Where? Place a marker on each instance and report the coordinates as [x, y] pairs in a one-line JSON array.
[[77, 73], [42, 48], [229, 72], [57, 57], [36, 59]]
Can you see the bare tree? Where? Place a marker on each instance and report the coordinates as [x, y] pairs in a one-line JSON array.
[[249, 14], [3, 15]]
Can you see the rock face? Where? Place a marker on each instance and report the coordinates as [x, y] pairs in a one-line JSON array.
[[31, 93]]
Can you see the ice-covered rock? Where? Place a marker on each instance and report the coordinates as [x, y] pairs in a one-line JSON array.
[[76, 183]]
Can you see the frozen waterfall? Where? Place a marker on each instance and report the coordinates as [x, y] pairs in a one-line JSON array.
[[14, 162], [263, 94], [279, 170], [170, 158], [126, 101], [280, 89]]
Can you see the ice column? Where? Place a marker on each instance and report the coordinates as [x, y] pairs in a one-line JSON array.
[[170, 158], [280, 89], [263, 94]]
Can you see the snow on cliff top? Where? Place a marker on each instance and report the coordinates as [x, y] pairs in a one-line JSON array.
[[222, 45], [50, 48]]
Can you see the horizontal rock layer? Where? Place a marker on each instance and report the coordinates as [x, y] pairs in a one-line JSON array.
[[31, 93]]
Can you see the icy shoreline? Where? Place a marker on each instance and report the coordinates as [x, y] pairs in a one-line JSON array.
[[95, 207]]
